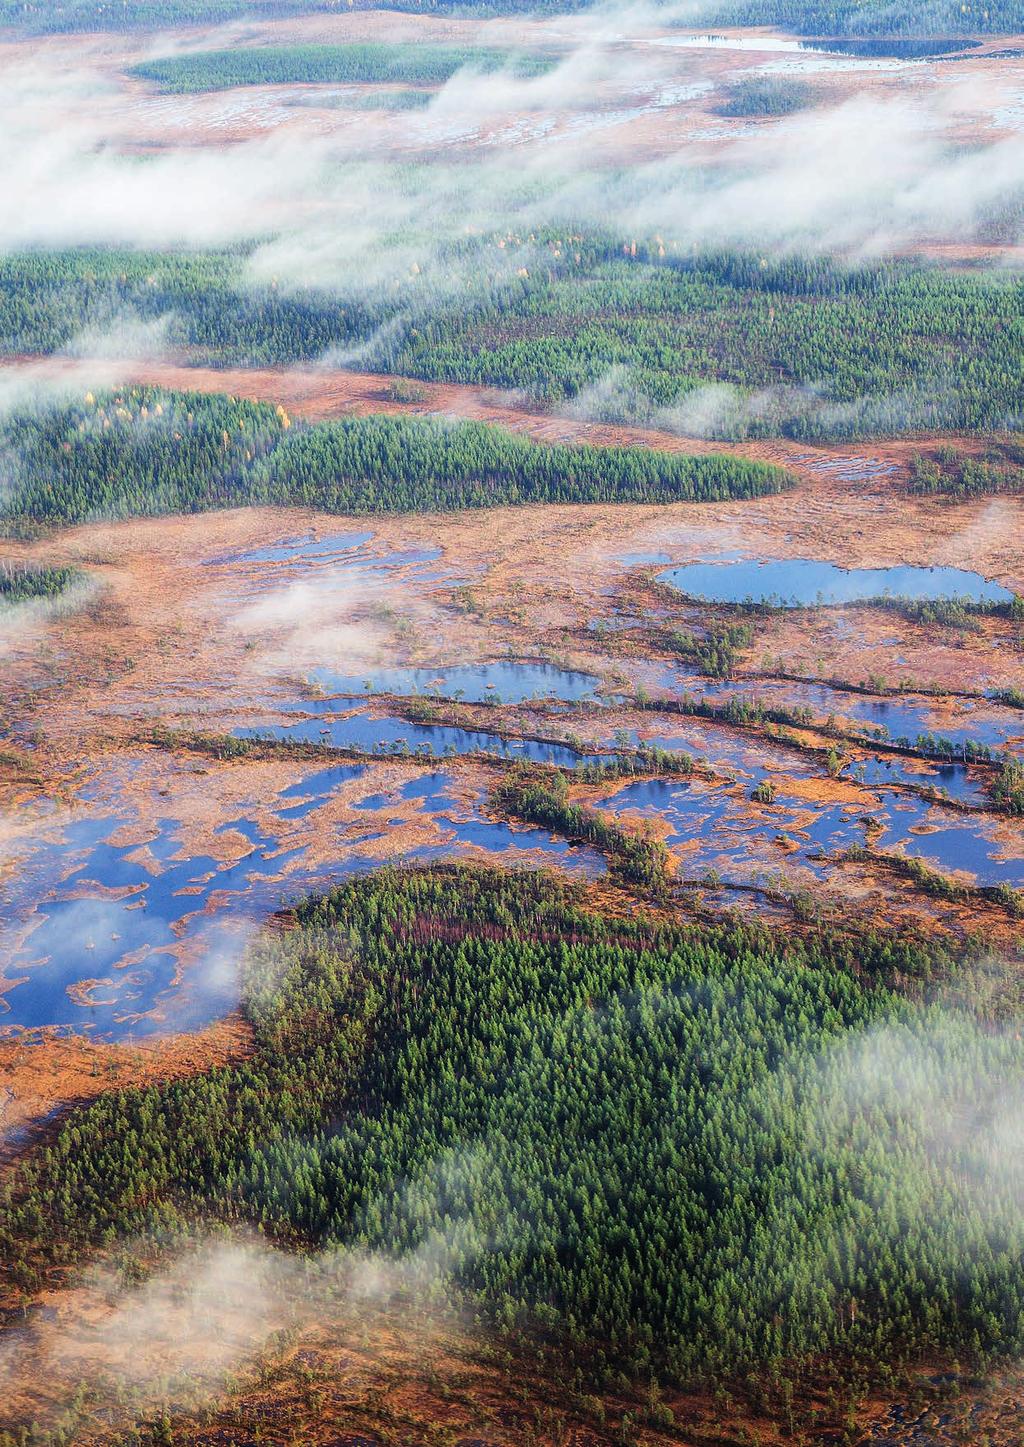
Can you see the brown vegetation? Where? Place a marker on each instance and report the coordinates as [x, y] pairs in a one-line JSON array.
[[42, 1074]]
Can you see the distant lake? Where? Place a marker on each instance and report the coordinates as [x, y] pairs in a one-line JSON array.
[[805, 583]]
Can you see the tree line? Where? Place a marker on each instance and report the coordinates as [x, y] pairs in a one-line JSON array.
[[543, 798], [58, 16], [807, 17], [830, 351], [693, 1151], [374, 63], [766, 96], [954, 473], [146, 452], [26, 584], [860, 18]]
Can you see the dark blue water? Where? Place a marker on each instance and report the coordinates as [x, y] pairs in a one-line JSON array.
[[103, 916], [390, 735], [891, 46], [461, 819], [953, 779], [497, 837], [957, 844], [114, 920], [90, 912], [728, 752], [723, 835], [433, 787], [427, 786], [316, 790], [894, 47], [467, 825], [731, 755], [731, 839], [501, 682], [806, 582], [906, 716], [329, 563], [298, 550], [753, 759]]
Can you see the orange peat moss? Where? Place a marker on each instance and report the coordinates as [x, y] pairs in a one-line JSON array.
[[386, 1372], [43, 1074]]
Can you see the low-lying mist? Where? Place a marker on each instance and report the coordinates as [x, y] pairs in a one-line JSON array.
[[870, 172], [170, 1328]]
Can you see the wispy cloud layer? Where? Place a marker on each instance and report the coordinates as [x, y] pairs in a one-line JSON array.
[[382, 200]]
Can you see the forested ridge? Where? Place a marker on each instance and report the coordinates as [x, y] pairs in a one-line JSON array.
[[543, 798], [355, 64], [23, 585], [808, 17], [400, 463], [55, 16], [874, 17], [827, 350], [831, 352], [766, 96], [47, 299], [146, 452], [958, 475], [692, 1150]]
